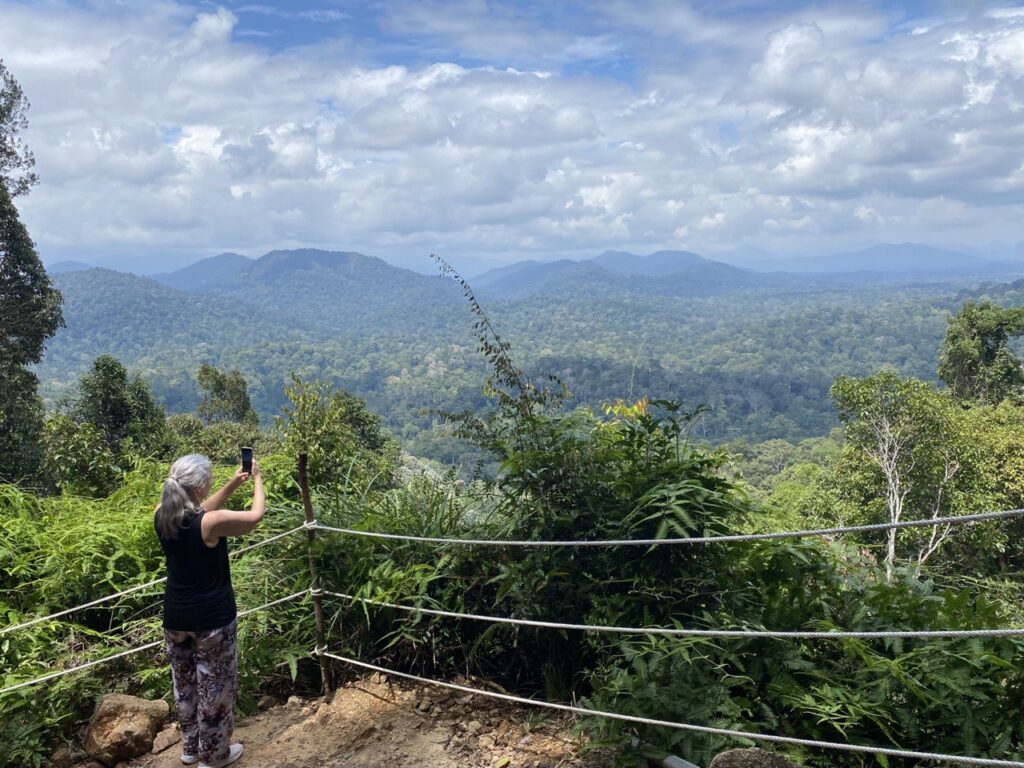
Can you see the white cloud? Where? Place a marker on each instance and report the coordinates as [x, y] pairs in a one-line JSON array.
[[160, 129]]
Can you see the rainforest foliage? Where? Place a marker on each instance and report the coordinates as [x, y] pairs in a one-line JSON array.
[[765, 371], [633, 469]]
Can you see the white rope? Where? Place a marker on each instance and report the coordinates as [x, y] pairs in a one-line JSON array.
[[130, 651], [58, 614], [264, 542], [675, 632], [274, 602], [154, 582], [80, 667], [978, 761], [961, 520]]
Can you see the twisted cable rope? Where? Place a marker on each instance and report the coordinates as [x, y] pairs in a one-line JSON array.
[[675, 632], [130, 651], [931, 756], [130, 590], [740, 537]]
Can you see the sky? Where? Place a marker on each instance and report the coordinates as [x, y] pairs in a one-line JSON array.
[[492, 132]]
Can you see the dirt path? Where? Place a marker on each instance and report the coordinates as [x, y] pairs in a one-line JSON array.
[[371, 724]]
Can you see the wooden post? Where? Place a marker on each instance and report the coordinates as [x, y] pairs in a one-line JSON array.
[[316, 587]]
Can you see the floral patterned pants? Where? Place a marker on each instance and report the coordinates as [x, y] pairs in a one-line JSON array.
[[205, 670]]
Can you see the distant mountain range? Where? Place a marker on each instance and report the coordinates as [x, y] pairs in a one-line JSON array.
[[683, 273], [677, 273], [346, 290], [338, 286]]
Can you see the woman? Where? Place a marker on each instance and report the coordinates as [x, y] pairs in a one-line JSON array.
[[199, 604]]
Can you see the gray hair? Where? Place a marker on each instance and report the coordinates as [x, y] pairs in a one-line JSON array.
[[187, 477]]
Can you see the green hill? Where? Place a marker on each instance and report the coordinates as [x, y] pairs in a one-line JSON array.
[[762, 357], [339, 290]]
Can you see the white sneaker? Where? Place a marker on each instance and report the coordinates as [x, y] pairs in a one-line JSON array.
[[234, 752], [189, 759]]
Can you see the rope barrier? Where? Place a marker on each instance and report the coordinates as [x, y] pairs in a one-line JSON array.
[[274, 602], [80, 667], [58, 614], [675, 632], [264, 542], [130, 590], [976, 761], [742, 537], [128, 652]]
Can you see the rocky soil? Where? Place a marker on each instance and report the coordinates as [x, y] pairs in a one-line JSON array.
[[376, 724]]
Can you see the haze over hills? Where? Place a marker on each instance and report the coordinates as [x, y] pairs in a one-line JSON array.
[[694, 274], [341, 283], [210, 274], [678, 273], [684, 273], [883, 259], [67, 266], [654, 264], [348, 291]]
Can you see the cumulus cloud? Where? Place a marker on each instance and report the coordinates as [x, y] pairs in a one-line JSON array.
[[494, 131]]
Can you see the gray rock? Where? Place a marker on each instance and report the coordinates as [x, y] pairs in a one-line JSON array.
[[123, 727], [751, 758]]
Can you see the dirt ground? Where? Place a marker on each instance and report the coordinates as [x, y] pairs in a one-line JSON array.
[[374, 724]]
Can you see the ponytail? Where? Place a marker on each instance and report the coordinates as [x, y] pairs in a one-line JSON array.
[[188, 475]]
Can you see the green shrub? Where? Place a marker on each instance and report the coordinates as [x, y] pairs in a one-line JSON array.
[[78, 460]]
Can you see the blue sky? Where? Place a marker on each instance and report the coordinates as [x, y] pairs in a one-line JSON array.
[[494, 131]]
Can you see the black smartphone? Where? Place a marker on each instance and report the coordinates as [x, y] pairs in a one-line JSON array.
[[246, 459]]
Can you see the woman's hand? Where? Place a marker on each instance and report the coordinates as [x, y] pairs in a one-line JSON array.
[[256, 470], [240, 477]]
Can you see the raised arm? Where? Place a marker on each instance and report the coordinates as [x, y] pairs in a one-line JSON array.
[[219, 499], [225, 522]]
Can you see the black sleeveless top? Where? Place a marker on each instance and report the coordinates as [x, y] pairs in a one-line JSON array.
[[199, 594]]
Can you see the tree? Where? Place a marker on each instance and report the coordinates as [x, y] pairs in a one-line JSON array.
[[30, 307], [21, 426], [345, 443], [975, 360], [909, 443], [30, 313], [122, 408], [16, 160], [225, 396]]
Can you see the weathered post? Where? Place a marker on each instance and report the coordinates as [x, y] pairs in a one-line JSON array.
[[316, 589]]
